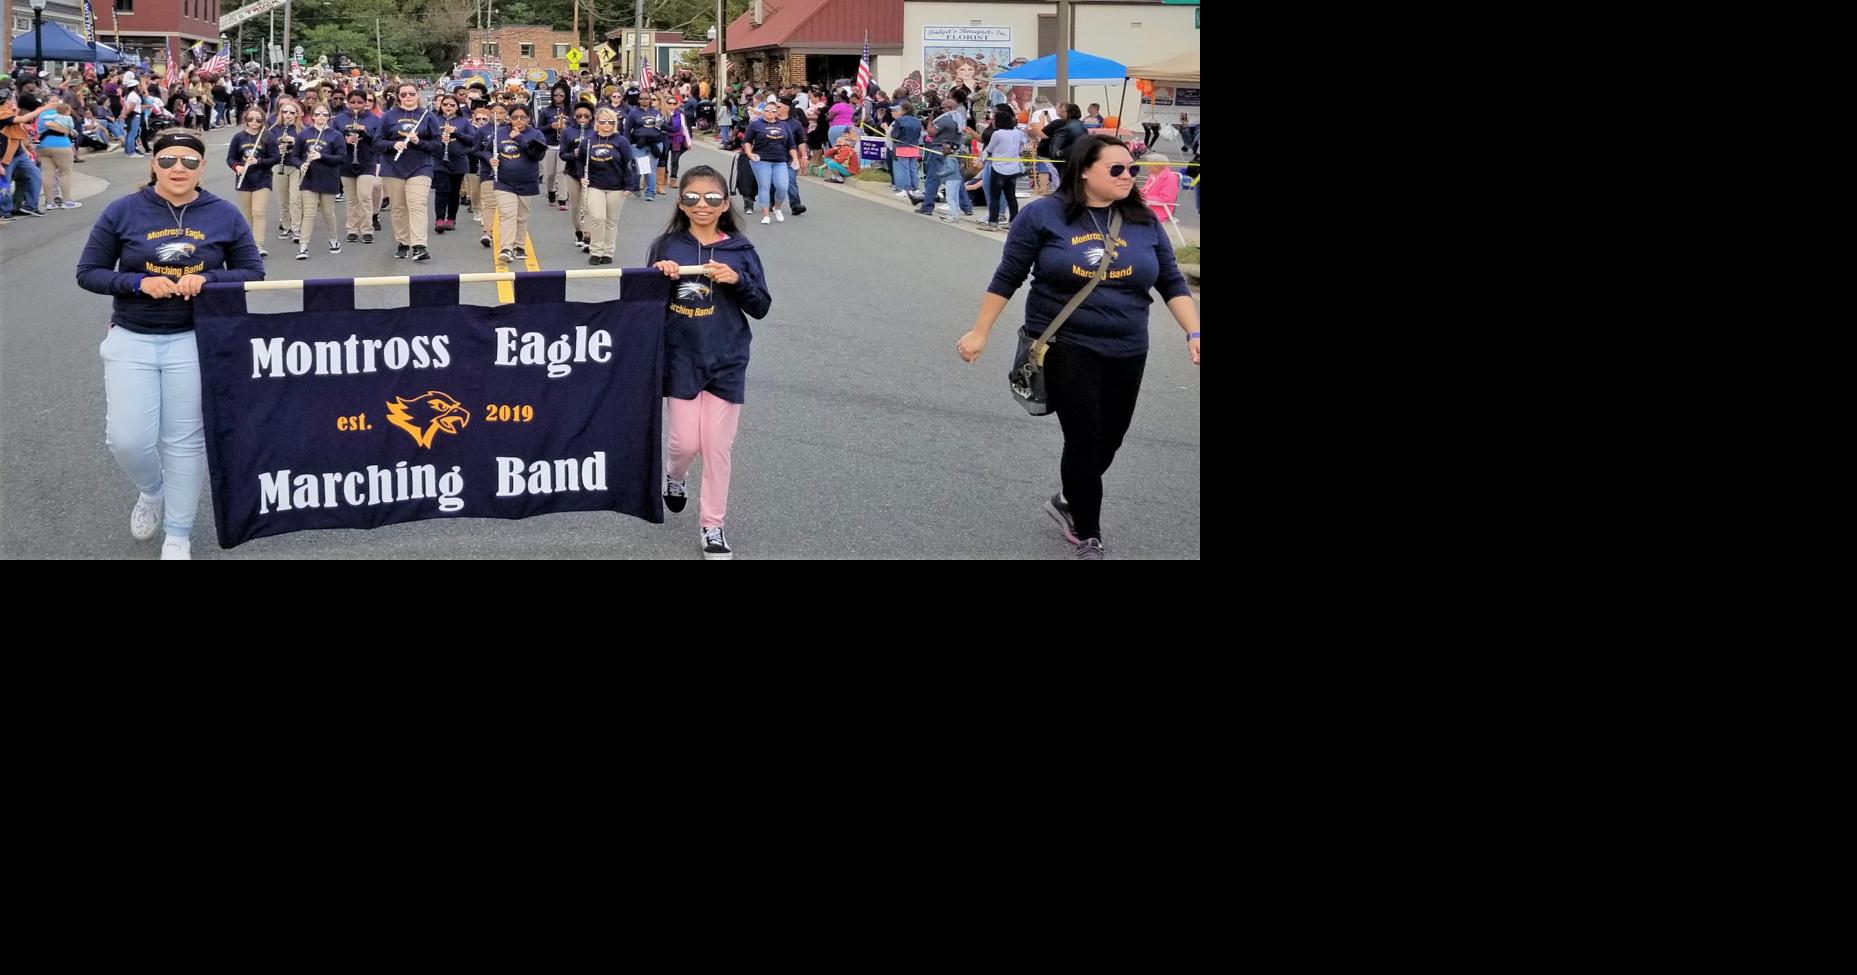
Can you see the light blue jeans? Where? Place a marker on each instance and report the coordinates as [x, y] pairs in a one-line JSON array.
[[651, 172], [22, 177], [154, 427], [135, 134], [770, 177]]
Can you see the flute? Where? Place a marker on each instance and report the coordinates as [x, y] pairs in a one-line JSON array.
[[446, 131], [413, 134]]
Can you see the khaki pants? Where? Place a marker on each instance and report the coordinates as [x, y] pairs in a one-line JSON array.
[[358, 192], [576, 199], [285, 182], [411, 200], [603, 208], [481, 200], [551, 168], [469, 196], [311, 203], [513, 216], [57, 166], [256, 206]]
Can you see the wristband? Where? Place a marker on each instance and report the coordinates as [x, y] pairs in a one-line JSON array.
[[1190, 336]]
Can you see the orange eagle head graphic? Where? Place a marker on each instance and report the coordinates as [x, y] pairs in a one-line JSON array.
[[425, 415]]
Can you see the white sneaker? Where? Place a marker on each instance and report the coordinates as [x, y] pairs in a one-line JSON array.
[[942, 207], [177, 550], [766, 219], [145, 517], [779, 217], [900, 193]]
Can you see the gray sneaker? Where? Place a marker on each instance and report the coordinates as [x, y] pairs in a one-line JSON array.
[[1059, 510], [145, 517], [1090, 550]]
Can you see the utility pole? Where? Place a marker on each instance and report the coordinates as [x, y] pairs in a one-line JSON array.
[[638, 45], [1063, 57], [289, 58], [722, 56], [380, 63]]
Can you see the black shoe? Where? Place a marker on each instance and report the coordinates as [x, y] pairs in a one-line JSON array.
[[367, 238], [675, 494], [580, 237], [353, 237], [505, 257], [716, 545], [420, 253], [340, 198], [484, 240], [402, 251], [1090, 550], [520, 251], [385, 205], [1059, 510], [377, 221], [335, 247], [593, 260], [799, 209], [302, 253], [606, 260]]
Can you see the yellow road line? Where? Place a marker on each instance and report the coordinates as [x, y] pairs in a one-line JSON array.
[[506, 290]]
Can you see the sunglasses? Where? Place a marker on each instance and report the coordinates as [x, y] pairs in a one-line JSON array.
[[712, 199], [1118, 169], [167, 162]]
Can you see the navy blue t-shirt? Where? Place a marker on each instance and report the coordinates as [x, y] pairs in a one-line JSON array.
[[771, 141], [1062, 256]]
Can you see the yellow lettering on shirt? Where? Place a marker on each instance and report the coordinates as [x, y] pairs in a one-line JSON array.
[[692, 312]]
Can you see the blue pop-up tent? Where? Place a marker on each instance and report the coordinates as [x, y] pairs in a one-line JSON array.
[[60, 44], [1084, 69]]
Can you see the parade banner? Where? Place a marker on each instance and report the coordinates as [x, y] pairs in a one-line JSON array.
[[338, 417]]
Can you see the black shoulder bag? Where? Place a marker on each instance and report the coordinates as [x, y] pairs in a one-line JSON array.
[[1027, 379]]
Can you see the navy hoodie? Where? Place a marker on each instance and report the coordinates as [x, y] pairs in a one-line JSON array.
[[141, 235], [609, 162], [325, 175], [361, 154], [570, 149], [416, 161], [706, 332], [463, 142], [1113, 320], [644, 127], [544, 122], [257, 165], [284, 143], [519, 170]]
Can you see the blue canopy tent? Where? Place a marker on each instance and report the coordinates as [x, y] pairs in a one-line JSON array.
[[1083, 69], [60, 44]]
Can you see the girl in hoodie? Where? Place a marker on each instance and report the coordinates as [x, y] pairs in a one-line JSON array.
[[551, 122], [152, 251], [644, 129], [281, 143], [517, 162], [457, 138], [248, 155], [573, 150], [325, 152], [607, 176], [706, 344]]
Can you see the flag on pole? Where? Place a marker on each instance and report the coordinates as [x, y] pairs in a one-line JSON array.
[[90, 24], [864, 70], [219, 64], [644, 78]]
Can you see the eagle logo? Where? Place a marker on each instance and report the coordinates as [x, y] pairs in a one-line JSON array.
[[603, 153], [510, 150], [251, 151], [178, 251], [425, 415], [406, 126], [1093, 256], [693, 291], [284, 144]]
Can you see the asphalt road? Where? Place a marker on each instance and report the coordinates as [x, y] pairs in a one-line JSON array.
[[864, 435]]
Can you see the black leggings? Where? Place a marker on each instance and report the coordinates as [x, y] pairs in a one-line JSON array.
[[1006, 187], [1094, 396], [1153, 132], [446, 185], [676, 156]]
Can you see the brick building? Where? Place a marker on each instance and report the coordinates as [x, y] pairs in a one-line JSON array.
[[521, 47]]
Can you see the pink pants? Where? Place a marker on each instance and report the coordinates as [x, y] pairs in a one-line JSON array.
[[706, 424]]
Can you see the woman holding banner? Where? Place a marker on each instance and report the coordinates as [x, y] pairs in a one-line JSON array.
[[152, 251], [706, 340]]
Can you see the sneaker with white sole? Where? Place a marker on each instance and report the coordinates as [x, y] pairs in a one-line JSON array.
[[1059, 510], [177, 549], [676, 494], [779, 217], [1090, 550], [335, 246], [145, 517], [766, 219], [716, 545]]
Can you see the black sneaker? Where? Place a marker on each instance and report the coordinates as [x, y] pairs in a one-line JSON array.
[[521, 251], [377, 221], [385, 205], [505, 257], [420, 253], [1059, 510], [341, 198], [799, 209], [302, 253], [1090, 550], [485, 239], [367, 238], [402, 250], [593, 260], [716, 545], [675, 493], [335, 247], [353, 237]]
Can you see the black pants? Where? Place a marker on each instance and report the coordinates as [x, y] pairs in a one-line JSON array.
[[1005, 186], [446, 185], [1153, 132], [676, 156], [1094, 397]]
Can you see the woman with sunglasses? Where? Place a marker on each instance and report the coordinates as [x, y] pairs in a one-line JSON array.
[[706, 342], [474, 161], [575, 140], [457, 138], [551, 121], [485, 201], [281, 138], [325, 152], [152, 251], [359, 187], [1094, 363], [248, 155], [607, 177], [770, 149], [517, 164], [405, 144]]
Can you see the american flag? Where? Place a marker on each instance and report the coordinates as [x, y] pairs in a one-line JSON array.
[[864, 70], [644, 79], [219, 63]]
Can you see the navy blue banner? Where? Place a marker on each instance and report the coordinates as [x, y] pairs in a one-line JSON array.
[[334, 417]]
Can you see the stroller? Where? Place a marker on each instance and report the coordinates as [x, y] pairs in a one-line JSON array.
[[705, 115]]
